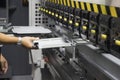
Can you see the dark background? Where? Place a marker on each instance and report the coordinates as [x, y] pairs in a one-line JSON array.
[[17, 56]]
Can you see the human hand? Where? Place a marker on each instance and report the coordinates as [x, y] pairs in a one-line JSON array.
[[28, 41], [3, 65]]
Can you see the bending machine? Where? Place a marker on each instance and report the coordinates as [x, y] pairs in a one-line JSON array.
[[90, 54], [77, 42]]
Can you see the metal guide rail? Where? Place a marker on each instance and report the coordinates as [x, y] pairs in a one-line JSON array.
[[97, 62]]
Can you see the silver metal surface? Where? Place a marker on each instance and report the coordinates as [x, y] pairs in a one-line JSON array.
[[36, 18], [30, 30], [96, 62], [36, 59], [37, 74], [52, 43], [36, 55], [112, 58]]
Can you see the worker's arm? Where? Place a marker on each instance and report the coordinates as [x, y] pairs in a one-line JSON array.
[[25, 41], [8, 39]]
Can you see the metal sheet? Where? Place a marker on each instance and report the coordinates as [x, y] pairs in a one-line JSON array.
[[52, 43], [30, 30]]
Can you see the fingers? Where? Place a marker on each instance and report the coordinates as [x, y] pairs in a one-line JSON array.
[[5, 68], [4, 65], [28, 41], [35, 45]]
